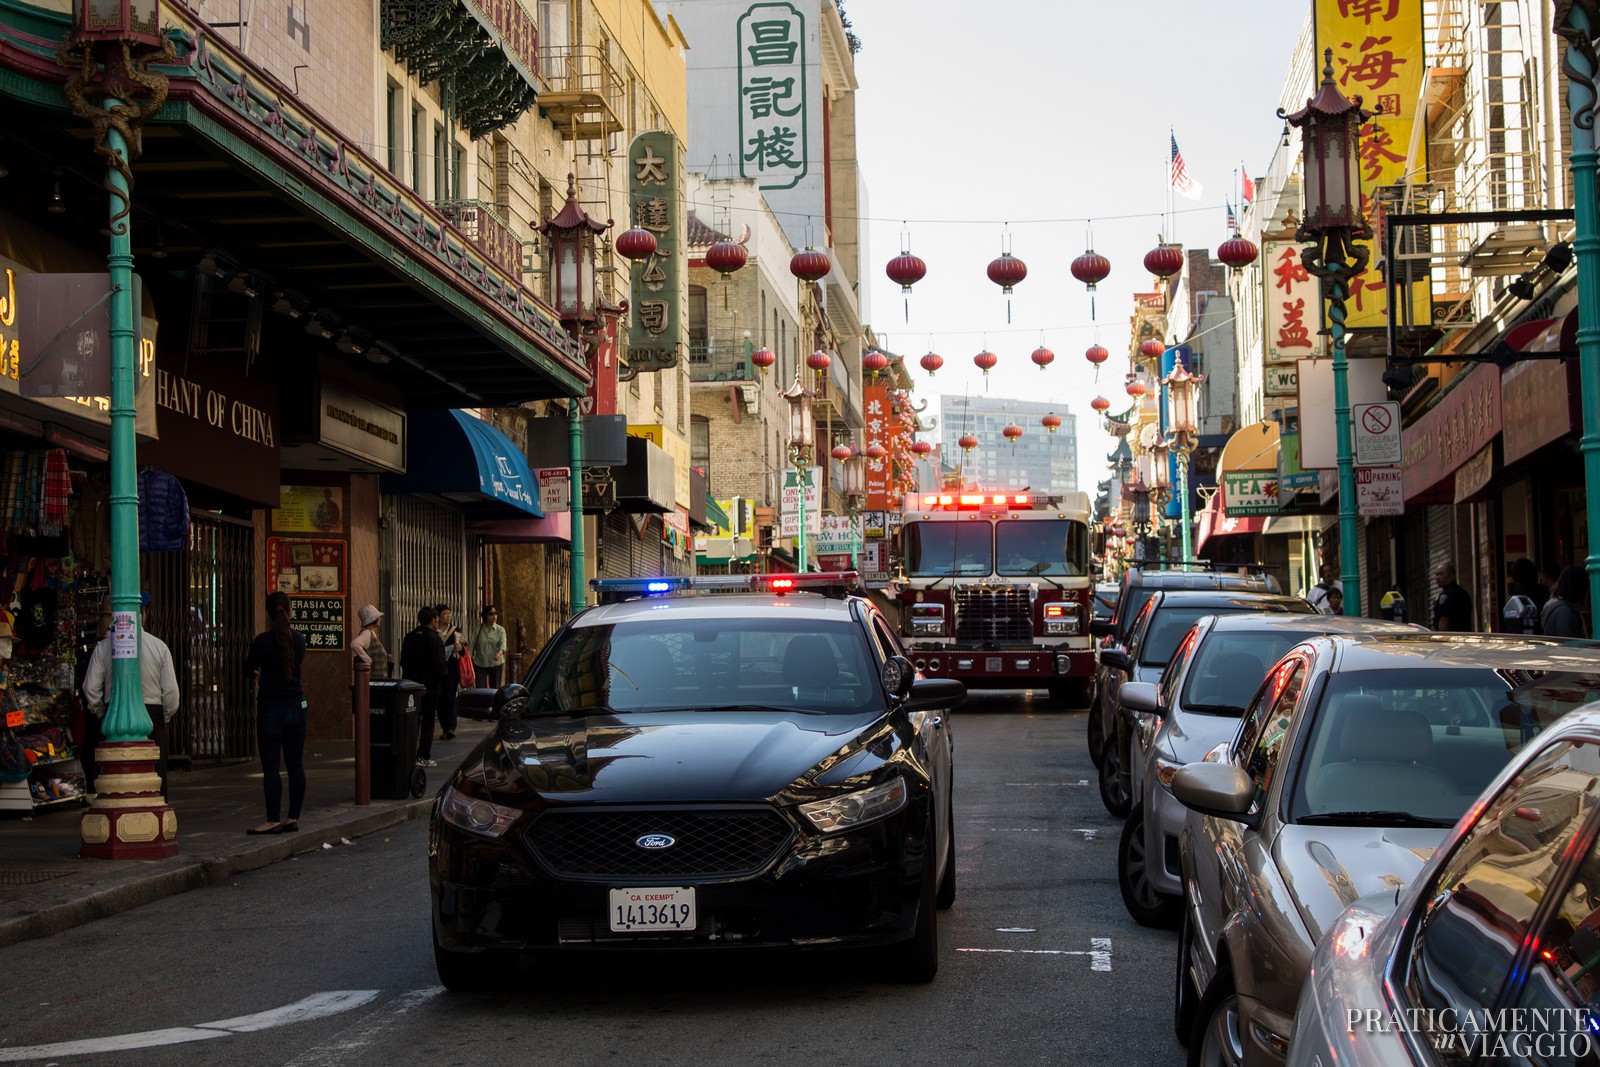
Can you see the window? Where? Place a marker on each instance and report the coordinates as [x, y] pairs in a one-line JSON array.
[[418, 124], [962, 549], [392, 119], [1272, 729], [1230, 668], [553, 38], [1039, 547], [441, 158], [700, 445], [1174, 671]]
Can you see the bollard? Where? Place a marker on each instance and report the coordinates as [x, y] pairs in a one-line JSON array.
[[361, 705], [513, 668]]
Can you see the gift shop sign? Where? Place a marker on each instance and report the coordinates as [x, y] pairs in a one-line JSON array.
[[1458, 427]]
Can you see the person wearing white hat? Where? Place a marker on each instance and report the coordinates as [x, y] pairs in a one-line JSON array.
[[367, 645]]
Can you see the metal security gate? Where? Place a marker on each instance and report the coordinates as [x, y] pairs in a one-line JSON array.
[[201, 605], [427, 558]]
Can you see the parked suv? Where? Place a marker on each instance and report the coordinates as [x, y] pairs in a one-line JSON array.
[[1138, 583]]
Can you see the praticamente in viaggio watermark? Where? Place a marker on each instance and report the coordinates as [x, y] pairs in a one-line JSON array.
[[1480, 1032]]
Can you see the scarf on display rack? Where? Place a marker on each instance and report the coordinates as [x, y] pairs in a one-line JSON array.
[[34, 492]]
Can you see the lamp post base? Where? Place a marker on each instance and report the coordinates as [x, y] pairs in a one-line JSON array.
[[128, 819]]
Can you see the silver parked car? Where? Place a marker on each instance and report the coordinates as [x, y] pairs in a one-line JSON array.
[[1506, 915], [1356, 757], [1219, 665]]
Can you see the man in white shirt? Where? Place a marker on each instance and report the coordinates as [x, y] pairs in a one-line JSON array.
[[158, 682], [1317, 595]]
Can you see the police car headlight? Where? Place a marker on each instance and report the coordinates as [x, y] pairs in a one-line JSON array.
[[858, 808], [475, 815]]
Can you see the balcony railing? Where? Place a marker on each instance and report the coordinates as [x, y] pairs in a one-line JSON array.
[[584, 96], [489, 231], [716, 360]]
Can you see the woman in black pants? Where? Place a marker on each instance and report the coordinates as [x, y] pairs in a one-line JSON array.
[[277, 655]]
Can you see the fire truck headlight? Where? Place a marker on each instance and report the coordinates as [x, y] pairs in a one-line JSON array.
[[1061, 627], [927, 620]]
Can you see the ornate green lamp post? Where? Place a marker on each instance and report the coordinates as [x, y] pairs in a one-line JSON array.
[[1183, 426], [802, 439], [1332, 221]]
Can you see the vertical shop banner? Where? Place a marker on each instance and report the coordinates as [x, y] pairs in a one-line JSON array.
[[655, 189], [601, 396], [312, 572], [1378, 56], [1293, 325], [773, 148], [790, 521], [878, 426]]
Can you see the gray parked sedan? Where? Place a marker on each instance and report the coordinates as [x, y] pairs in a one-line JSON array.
[[1355, 759], [1219, 665], [1506, 915]]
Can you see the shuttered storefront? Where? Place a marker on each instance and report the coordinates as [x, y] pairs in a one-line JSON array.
[[426, 558]]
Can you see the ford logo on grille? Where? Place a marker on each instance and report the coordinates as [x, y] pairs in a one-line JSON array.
[[655, 841]]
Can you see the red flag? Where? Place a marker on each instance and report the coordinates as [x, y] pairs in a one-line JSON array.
[[1247, 187]]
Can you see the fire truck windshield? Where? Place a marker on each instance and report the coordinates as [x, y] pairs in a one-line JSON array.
[[948, 549], [1054, 548]]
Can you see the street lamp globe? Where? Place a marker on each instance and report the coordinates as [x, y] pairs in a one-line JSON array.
[[802, 424]]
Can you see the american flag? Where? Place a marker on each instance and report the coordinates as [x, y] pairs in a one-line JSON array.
[[1233, 222], [1246, 186], [1182, 184]]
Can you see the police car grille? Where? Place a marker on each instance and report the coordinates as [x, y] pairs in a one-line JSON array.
[[999, 614], [603, 845]]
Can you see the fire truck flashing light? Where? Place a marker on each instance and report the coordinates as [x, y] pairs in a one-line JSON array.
[[975, 500]]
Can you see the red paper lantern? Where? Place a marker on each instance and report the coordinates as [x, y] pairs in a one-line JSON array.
[[819, 360], [985, 361], [921, 448], [876, 451], [1151, 348], [1164, 260], [1097, 354], [635, 244], [1006, 271], [1237, 252], [810, 265], [1135, 388], [1119, 530], [905, 270], [842, 452], [1051, 422], [967, 442], [1012, 432], [932, 362], [1042, 356], [763, 358], [874, 362], [1100, 404], [725, 257], [1091, 269]]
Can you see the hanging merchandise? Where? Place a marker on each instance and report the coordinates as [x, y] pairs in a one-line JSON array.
[[163, 513]]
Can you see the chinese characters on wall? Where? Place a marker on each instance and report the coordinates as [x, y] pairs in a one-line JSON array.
[[772, 96], [654, 186], [1292, 322]]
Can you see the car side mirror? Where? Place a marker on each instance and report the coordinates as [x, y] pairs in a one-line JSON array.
[[935, 694], [1220, 790], [1102, 628], [1115, 657], [1142, 697], [899, 674]]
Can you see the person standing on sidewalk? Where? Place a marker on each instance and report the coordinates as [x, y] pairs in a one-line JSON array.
[[367, 646], [158, 685], [489, 649], [422, 661], [276, 656], [454, 645]]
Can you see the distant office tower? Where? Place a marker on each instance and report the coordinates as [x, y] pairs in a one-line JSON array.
[[1040, 460]]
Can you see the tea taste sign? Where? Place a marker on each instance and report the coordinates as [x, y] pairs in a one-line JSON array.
[[1250, 493]]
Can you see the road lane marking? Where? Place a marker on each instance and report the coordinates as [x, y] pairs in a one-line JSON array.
[[1099, 952], [351, 1046], [1015, 930], [1088, 834], [316, 1006]]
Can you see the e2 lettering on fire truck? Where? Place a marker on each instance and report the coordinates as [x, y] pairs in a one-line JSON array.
[[996, 589]]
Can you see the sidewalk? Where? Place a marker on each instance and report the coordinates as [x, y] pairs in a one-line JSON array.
[[45, 888]]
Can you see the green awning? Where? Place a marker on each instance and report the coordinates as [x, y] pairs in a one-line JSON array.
[[715, 514]]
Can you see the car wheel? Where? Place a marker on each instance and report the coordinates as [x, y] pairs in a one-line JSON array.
[[946, 897], [1097, 735], [1148, 906], [917, 960], [1113, 783], [467, 971], [1216, 1040], [1183, 1000], [419, 781]]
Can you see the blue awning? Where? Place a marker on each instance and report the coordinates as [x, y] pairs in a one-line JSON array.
[[467, 461]]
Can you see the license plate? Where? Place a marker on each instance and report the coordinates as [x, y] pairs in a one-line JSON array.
[[657, 908]]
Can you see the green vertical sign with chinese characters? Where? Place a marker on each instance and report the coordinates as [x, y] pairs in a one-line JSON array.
[[655, 324], [773, 148]]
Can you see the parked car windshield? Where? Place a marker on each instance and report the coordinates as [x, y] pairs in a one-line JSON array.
[[737, 661], [1424, 742], [1042, 547], [948, 549], [1229, 667], [1172, 621]]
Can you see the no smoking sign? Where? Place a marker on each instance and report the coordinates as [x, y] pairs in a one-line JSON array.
[[1377, 433]]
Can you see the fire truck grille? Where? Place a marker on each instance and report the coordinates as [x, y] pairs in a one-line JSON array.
[[999, 614]]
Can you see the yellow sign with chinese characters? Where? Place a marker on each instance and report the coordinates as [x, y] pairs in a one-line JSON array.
[[1378, 56]]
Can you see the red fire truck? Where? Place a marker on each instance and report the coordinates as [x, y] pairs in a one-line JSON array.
[[996, 589]]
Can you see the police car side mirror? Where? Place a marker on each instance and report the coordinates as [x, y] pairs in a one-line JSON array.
[[511, 701], [899, 674]]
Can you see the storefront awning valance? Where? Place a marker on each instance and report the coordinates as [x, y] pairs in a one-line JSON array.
[[467, 461], [1210, 524], [1247, 471], [715, 515]]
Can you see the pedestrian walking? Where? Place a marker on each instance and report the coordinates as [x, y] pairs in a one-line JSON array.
[[276, 657], [368, 646], [422, 661], [158, 691], [489, 649], [1452, 608], [1318, 595], [1561, 616], [450, 636]]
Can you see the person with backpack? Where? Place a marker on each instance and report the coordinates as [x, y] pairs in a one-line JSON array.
[[1317, 595]]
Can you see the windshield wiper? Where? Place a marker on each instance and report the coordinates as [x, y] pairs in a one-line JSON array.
[[1371, 818]]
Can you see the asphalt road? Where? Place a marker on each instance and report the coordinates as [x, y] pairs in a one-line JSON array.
[[324, 961]]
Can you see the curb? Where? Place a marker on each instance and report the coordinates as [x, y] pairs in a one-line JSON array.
[[139, 886]]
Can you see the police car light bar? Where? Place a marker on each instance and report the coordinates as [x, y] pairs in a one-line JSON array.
[[832, 583]]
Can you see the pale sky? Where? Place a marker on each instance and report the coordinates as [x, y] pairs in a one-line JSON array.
[[972, 115]]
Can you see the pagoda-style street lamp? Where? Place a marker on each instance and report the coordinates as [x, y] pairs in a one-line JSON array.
[[802, 439], [571, 235], [1330, 126], [1183, 427]]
